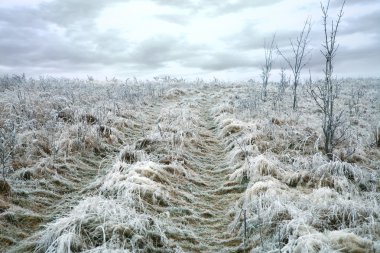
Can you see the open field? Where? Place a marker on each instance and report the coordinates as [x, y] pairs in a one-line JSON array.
[[175, 166]]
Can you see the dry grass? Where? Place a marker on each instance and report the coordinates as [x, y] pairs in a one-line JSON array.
[[296, 200], [65, 131], [178, 176]]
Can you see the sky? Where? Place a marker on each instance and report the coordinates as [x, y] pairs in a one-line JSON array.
[[189, 39]]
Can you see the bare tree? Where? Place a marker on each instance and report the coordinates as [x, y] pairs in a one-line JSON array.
[[267, 67], [326, 92], [297, 61]]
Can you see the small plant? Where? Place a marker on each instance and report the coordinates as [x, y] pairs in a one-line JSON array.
[[355, 100], [90, 79], [376, 135], [7, 145], [284, 83], [267, 66]]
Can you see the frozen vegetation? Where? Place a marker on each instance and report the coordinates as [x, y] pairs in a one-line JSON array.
[[175, 166]]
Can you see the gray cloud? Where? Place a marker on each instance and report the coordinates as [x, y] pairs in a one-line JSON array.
[[349, 60], [368, 54], [61, 36], [251, 38], [27, 44], [28, 39], [336, 3], [178, 19], [222, 61], [71, 11], [157, 51], [227, 7], [364, 24], [217, 6]]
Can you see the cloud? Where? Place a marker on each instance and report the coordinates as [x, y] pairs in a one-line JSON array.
[[217, 7], [252, 38], [160, 35], [71, 11], [222, 61], [363, 60], [157, 51], [39, 42], [236, 6], [364, 24], [27, 42], [349, 2], [174, 18]]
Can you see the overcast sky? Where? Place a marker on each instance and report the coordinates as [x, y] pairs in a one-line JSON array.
[[194, 38]]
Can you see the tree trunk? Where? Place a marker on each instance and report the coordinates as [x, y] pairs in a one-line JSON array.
[[295, 96]]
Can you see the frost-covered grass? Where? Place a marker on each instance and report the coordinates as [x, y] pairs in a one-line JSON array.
[[175, 167], [62, 132], [126, 208], [116, 218], [296, 200]]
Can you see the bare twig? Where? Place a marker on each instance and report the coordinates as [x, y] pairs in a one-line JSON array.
[[300, 52]]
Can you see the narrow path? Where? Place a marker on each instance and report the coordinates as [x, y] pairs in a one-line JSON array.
[[216, 196]]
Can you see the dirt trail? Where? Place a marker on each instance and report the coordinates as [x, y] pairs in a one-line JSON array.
[[216, 196]]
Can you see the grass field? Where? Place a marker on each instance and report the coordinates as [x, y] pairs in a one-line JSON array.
[[176, 166]]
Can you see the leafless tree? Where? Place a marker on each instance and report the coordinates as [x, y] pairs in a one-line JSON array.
[[299, 57], [266, 68], [325, 93]]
